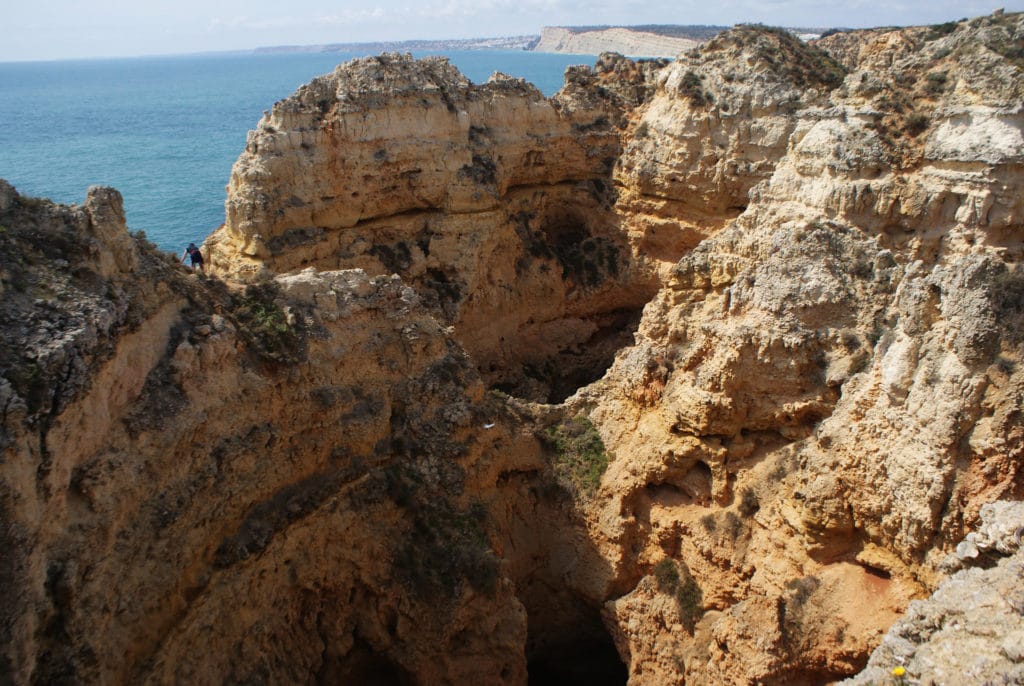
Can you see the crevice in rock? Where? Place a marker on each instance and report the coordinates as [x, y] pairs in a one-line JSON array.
[[581, 298], [574, 648], [362, 666], [567, 369], [561, 580]]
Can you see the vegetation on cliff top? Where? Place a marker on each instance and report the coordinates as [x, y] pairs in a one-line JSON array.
[[58, 312], [788, 57], [694, 31]]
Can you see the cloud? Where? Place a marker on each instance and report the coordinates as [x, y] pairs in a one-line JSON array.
[[483, 8], [351, 17], [342, 18], [403, 19]]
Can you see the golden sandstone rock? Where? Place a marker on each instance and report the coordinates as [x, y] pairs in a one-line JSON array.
[[701, 368]]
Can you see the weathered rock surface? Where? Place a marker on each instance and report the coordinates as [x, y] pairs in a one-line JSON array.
[[971, 630], [433, 141], [720, 122], [204, 486], [491, 200], [804, 273], [827, 388]]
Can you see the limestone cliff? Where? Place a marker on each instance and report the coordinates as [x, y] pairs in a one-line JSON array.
[[827, 388], [751, 321], [618, 39], [205, 486], [491, 200]]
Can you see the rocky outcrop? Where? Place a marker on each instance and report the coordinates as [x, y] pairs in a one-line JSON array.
[[491, 200], [618, 39], [722, 119], [292, 473], [701, 369], [814, 365], [971, 628], [435, 143]]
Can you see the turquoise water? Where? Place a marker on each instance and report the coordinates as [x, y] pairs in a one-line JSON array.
[[166, 130]]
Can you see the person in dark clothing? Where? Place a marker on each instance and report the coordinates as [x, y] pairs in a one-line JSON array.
[[192, 252]]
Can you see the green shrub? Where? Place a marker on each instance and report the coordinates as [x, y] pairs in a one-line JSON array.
[[935, 82], [445, 549], [1009, 46], [784, 464], [800, 591], [733, 525], [666, 575], [890, 104], [791, 612], [692, 88], [749, 503], [709, 523], [939, 30], [1008, 292], [31, 382], [916, 124], [32, 203], [580, 456], [264, 326], [802, 64], [674, 578]]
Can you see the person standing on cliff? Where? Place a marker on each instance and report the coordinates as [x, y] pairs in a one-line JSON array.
[[192, 252]]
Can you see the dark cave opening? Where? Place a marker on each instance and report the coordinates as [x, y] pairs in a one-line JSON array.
[[574, 652], [361, 667], [562, 372], [586, 260], [582, 297], [574, 369], [565, 233]]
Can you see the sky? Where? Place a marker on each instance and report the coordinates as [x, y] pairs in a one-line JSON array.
[[61, 29]]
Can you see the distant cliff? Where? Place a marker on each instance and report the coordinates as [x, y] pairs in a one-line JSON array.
[[639, 41]]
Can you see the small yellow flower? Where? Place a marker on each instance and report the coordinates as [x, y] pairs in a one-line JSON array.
[[898, 671]]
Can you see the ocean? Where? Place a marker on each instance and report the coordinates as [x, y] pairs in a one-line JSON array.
[[165, 130]]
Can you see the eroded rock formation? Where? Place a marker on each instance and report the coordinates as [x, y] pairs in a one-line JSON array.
[[972, 628], [775, 287], [187, 473], [491, 200]]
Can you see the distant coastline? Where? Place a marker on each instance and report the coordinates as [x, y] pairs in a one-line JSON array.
[[500, 43], [657, 40]]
